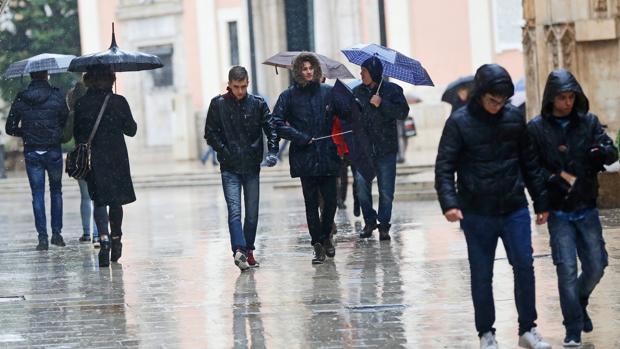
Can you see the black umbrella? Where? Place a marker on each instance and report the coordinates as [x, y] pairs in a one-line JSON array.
[[450, 95], [119, 60], [354, 134]]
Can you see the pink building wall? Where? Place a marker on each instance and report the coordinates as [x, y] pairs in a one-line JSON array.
[[440, 38], [192, 60]]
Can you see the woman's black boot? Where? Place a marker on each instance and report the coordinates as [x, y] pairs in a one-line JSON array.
[[117, 248], [104, 254]]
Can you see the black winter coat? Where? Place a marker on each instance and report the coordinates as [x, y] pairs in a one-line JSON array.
[[493, 160], [235, 130], [109, 181], [568, 148], [38, 115], [380, 123], [303, 113]]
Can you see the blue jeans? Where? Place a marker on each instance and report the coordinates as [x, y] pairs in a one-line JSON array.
[[481, 234], [581, 238], [241, 237], [86, 210], [36, 166], [386, 180]]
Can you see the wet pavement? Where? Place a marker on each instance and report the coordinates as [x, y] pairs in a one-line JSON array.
[[176, 285]]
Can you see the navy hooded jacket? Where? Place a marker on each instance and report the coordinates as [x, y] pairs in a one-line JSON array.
[[38, 115]]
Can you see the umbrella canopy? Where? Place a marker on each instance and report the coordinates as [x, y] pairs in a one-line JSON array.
[[119, 60], [332, 69], [50, 62], [450, 95], [395, 64]]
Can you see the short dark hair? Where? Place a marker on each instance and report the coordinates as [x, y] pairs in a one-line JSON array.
[[237, 73], [502, 89]]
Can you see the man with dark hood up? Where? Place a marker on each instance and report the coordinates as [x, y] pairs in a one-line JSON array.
[[572, 148], [304, 115], [234, 128], [486, 145], [38, 115], [382, 103]]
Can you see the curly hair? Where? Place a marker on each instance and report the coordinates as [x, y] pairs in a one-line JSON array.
[[298, 64]]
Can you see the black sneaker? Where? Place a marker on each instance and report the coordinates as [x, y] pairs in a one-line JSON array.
[[96, 242], [587, 322], [319, 254], [330, 249], [384, 232], [572, 340], [356, 208], [57, 240], [43, 245], [116, 249], [367, 231], [84, 239]]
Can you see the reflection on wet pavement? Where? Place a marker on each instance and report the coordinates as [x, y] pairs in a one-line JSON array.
[[177, 285]]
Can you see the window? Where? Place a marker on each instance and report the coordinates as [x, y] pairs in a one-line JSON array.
[[162, 77], [508, 20], [234, 43]]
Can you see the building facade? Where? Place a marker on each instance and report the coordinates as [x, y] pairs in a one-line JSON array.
[[199, 40]]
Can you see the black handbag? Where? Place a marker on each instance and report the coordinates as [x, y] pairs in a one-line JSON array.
[[77, 164]]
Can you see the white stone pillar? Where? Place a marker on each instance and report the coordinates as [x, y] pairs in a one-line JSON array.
[[480, 32]]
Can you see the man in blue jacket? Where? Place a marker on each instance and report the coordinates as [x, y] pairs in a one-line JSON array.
[[38, 115], [382, 103], [572, 148]]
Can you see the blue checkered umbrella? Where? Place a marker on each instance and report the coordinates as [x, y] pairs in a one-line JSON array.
[[395, 64], [50, 62]]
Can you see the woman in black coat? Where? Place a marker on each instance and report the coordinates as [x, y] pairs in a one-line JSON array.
[[109, 181]]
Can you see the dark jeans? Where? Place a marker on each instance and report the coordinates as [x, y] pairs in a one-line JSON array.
[[386, 181], [482, 233], [36, 166], [319, 226], [114, 218], [581, 238], [241, 237], [86, 210]]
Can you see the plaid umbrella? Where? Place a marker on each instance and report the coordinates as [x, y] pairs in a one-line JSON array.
[[119, 60], [331, 69], [395, 64], [50, 62]]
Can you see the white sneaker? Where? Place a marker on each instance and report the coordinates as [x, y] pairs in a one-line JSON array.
[[241, 260], [487, 341], [532, 339]]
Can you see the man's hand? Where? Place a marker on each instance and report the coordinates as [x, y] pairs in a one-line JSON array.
[[375, 100], [453, 215], [310, 141], [271, 160], [568, 177], [541, 218]]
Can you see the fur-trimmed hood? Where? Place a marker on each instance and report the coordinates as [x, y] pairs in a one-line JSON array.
[[298, 65]]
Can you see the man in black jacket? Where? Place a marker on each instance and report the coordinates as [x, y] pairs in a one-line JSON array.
[[486, 145], [234, 128], [382, 103], [572, 148], [38, 115], [304, 115]]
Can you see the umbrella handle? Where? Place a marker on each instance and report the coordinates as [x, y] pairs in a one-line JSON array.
[[379, 88]]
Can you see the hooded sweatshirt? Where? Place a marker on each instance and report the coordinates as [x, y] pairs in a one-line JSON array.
[[38, 115], [567, 146]]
